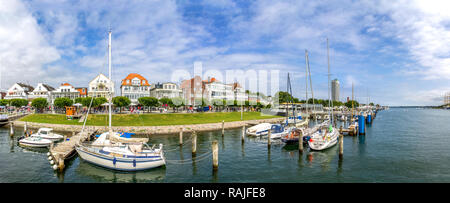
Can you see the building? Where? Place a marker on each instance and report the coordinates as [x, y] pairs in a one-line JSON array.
[[335, 90], [19, 91], [447, 99], [65, 90], [83, 91], [134, 86], [196, 89], [100, 86], [165, 90], [42, 91]]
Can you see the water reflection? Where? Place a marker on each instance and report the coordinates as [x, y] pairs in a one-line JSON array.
[[107, 175], [323, 158]]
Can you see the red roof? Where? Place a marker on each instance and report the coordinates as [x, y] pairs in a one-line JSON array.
[[127, 80]]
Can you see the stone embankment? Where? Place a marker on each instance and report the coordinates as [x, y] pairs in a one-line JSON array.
[[152, 129]]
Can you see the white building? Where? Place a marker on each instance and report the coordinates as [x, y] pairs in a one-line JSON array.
[[42, 91], [100, 86], [165, 90], [19, 91], [335, 90], [65, 90], [135, 86]]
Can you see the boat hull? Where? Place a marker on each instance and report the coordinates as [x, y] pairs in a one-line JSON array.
[[30, 144], [120, 163]]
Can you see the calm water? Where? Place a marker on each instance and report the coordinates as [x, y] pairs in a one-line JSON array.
[[402, 145]]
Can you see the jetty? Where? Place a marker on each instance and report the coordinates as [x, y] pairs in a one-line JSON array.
[[64, 150]]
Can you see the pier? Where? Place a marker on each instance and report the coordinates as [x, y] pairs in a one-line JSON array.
[[65, 149]]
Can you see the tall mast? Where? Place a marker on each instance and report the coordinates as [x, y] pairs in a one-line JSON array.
[[352, 103], [110, 85], [329, 93], [310, 84], [306, 79]]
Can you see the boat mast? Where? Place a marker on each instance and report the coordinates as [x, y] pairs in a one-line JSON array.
[[306, 80], [310, 83], [329, 93], [351, 119], [110, 85]]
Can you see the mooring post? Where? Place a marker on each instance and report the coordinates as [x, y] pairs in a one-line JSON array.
[[243, 134], [60, 163], [268, 137], [340, 129], [194, 143], [215, 152], [25, 128], [341, 146], [11, 124], [181, 136], [223, 127], [300, 143]]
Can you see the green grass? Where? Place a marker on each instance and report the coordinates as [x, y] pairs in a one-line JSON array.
[[147, 119]]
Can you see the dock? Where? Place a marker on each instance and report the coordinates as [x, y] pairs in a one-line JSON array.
[[65, 149]]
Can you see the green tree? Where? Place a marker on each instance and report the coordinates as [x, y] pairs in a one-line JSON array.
[[165, 101], [349, 104], [4, 102], [18, 102], [62, 102], [99, 101], [80, 100], [148, 102], [39, 104], [121, 101]]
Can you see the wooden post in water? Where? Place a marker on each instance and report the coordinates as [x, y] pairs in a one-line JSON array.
[[223, 127], [194, 143], [181, 136], [269, 135], [215, 152], [243, 134], [11, 124], [300, 143], [340, 129], [341, 146], [25, 128], [60, 163]]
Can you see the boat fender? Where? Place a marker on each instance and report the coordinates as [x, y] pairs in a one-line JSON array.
[[55, 167], [114, 161], [48, 154], [134, 162], [52, 162], [49, 158]]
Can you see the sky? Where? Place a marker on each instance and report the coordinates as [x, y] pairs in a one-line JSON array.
[[394, 52]]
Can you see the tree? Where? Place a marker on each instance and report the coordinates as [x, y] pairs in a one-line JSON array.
[[4, 102], [165, 101], [62, 102], [99, 101], [39, 104], [80, 100], [148, 102], [121, 101], [18, 102], [349, 104]]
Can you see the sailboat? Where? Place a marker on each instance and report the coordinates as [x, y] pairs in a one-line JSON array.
[[112, 151], [327, 135]]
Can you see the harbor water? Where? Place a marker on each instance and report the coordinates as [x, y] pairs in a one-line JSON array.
[[401, 145]]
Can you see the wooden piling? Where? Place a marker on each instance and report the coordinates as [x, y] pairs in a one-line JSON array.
[[243, 134], [11, 124], [25, 128], [215, 152], [223, 127], [300, 143], [341, 146], [181, 136], [269, 135], [340, 129], [194, 143], [60, 163]]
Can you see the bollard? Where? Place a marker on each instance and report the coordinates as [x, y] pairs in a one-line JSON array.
[[243, 134], [341, 146], [215, 152], [269, 134], [194, 143], [60, 163], [361, 123], [300, 143], [12, 129], [25, 128], [181, 136], [223, 127]]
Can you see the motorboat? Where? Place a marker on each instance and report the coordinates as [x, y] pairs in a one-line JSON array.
[[131, 156], [277, 131], [47, 133], [324, 138], [259, 130], [34, 142]]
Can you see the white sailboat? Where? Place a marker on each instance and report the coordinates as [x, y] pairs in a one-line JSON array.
[[327, 135], [118, 153]]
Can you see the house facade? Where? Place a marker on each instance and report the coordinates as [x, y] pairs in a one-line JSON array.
[[65, 90], [83, 91], [135, 86], [165, 90], [42, 91], [100, 86], [19, 91]]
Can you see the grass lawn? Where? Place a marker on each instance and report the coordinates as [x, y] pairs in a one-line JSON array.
[[148, 119]]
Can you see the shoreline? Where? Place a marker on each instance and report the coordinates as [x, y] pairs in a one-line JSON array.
[[153, 130]]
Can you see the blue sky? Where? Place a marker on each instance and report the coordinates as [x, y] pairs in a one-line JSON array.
[[395, 52]]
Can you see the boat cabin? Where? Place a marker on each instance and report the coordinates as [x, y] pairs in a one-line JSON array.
[[45, 131]]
